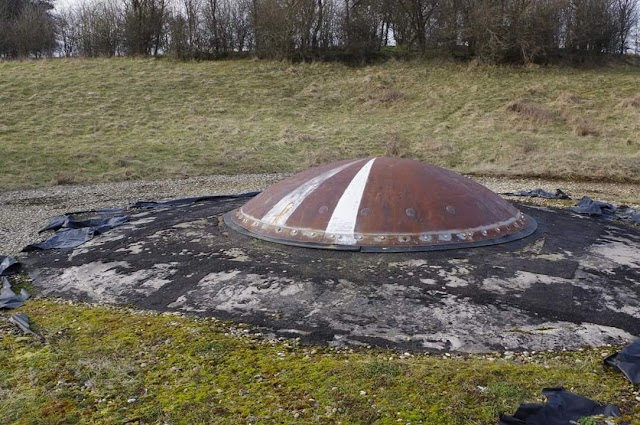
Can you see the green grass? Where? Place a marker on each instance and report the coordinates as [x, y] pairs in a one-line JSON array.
[[105, 365], [114, 119]]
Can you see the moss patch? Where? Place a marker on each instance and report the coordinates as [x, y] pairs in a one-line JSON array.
[[113, 365]]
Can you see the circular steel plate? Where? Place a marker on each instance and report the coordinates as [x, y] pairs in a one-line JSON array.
[[380, 204]]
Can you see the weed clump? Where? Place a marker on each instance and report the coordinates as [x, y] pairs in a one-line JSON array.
[[531, 110], [567, 98], [320, 156], [584, 127], [390, 95], [396, 146], [62, 179], [633, 102], [581, 125]]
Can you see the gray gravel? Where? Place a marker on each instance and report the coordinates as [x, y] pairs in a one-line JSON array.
[[23, 212]]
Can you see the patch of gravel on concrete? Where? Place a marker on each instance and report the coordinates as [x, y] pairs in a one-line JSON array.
[[23, 212]]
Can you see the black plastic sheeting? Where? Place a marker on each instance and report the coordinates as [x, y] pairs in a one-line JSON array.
[[21, 320], [588, 206], [8, 266], [562, 408], [627, 361], [539, 193], [72, 232], [8, 298], [188, 201], [68, 222]]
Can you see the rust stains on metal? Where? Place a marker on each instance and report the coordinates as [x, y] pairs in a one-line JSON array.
[[381, 204]]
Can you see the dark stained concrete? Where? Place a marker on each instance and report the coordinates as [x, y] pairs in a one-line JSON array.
[[574, 282]]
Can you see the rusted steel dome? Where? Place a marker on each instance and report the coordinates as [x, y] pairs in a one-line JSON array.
[[380, 204]]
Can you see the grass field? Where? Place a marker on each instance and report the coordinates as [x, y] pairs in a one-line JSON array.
[[166, 369], [100, 120]]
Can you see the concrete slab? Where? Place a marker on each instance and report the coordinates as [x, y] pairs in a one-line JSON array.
[[574, 282]]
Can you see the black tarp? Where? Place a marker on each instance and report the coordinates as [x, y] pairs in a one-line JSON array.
[[561, 408], [8, 266], [586, 205], [8, 298], [627, 361], [21, 320], [102, 224], [539, 193], [72, 231], [629, 214], [590, 207], [188, 201]]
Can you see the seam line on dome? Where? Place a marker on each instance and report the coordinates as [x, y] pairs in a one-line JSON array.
[[281, 211], [345, 214]]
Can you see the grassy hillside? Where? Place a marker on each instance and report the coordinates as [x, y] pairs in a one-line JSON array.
[[167, 369], [113, 119]]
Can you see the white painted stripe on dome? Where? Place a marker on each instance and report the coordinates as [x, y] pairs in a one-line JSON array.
[[343, 219], [281, 211]]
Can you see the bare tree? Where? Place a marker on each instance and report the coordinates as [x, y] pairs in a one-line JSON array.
[[495, 31], [144, 24], [362, 31], [93, 28], [413, 19], [625, 15], [27, 28]]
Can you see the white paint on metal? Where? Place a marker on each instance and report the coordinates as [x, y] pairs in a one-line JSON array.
[[280, 212], [343, 219]]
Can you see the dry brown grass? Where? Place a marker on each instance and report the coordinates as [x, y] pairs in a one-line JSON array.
[[633, 102], [321, 156], [397, 146], [536, 89], [526, 146], [380, 96], [567, 98], [379, 91], [532, 111], [576, 165], [585, 127], [64, 179], [105, 120], [390, 95], [580, 124]]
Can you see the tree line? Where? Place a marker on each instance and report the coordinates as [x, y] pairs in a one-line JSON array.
[[493, 31]]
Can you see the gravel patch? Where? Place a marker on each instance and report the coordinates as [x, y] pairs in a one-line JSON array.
[[23, 212], [617, 193]]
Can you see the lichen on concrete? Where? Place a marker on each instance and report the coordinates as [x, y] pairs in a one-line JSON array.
[[571, 284]]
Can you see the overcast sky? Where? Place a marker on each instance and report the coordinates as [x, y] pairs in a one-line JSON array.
[[61, 4]]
